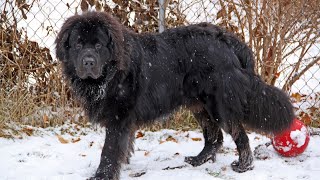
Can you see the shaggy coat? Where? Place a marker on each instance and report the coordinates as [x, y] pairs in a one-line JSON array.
[[125, 80]]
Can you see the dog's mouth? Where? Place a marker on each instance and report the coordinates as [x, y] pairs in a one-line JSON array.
[[88, 74], [88, 64]]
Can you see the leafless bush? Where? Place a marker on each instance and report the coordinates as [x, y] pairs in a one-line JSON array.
[[282, 33], [276, 30], [30, 79]]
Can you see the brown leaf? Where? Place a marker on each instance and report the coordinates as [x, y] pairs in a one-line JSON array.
[[296, 96], [84, 5], [146, 153], [306, 119], [24, 14], [139, 134], [28, 131], [62, 140], [107, 8], [45, 119], [75, 140], [91, 2], [77, 127], [196, 139], [221, 13], [170, 138], [313, 109], [98, 6], [231, 7], [247, 2]]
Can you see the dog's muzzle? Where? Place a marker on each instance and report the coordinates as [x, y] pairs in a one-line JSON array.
[[89, 65]]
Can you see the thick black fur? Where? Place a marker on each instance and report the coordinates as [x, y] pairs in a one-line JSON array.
[[137, 78]]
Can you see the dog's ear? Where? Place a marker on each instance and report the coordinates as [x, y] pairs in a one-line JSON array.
[[62, 43], [62, 40], [115, 32]]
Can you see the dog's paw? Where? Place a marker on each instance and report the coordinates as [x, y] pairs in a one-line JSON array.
[[240, 168], [102, 176], [199, 160], [99, 177], [94, 178]]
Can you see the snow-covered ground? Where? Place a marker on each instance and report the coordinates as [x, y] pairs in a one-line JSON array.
[[49, 154], [158, 155]]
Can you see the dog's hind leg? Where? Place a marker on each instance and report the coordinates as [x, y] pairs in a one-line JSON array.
[[226, 119], [130, 146], [242, 142], [213, 140], [231, 98], [238, 134]]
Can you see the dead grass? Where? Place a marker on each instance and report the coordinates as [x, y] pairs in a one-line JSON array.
[[181, 120]]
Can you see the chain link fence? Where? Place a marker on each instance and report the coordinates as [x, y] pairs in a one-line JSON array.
[[284, 36]]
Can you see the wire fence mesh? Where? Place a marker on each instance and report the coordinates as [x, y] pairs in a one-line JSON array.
[[284, 36]]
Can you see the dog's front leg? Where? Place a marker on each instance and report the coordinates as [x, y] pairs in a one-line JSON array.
[[113, 153]]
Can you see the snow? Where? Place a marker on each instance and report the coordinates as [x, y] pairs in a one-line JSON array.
[[158, 156], [286, 148], [299, 136]]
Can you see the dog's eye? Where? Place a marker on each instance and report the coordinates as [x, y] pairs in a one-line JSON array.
[[98, 46], [78, 46]]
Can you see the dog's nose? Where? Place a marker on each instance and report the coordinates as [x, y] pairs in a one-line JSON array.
[[88, 62]]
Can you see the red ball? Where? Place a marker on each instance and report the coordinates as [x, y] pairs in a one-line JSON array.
[[293, 141]]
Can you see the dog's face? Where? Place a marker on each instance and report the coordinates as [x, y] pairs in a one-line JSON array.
[[87, 48], [89, 51]]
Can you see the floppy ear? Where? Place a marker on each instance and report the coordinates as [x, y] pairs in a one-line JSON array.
[[62, 43], [115, 32]]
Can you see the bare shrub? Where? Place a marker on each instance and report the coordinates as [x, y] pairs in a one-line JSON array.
[[282, 33], [32, 90], [276, 30]]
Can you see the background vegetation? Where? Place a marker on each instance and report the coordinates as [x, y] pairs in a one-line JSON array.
[[284, 35]]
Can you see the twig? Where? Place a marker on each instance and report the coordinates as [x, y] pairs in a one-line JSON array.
[[297, 76], [317, 133], [176, 167], [138, 174]]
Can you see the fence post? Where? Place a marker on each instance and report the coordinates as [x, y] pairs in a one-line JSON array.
[[161, 23]]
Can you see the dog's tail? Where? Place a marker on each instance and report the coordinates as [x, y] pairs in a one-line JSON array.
[[244, 96], [269, 109]]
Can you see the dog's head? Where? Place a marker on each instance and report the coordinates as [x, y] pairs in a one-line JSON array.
[[91, 46]]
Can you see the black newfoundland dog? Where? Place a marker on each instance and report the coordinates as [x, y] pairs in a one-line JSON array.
[[125, 80]]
